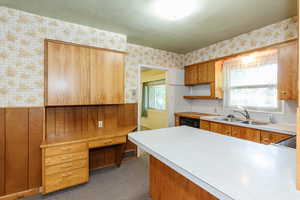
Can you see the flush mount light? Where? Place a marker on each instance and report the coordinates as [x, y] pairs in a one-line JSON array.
[[174, 9]]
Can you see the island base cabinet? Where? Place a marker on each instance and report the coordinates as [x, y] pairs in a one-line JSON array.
[[167, 184]]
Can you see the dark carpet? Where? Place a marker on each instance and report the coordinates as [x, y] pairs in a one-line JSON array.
[[129, 182]]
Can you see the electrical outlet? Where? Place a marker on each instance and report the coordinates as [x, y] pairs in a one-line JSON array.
[[100, 124]]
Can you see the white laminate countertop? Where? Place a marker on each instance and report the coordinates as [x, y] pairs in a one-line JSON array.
[[227, 167], [289, 129]]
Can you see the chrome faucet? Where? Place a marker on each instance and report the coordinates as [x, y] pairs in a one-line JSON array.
[[244, 112]]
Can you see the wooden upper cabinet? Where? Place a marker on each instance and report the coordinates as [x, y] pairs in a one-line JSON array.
[[66, 74], [211, 71], [287, 71], [80, 75], [203, 73], [191, 75], [107, 77]]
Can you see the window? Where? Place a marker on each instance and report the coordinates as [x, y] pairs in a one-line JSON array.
[[251, 81], [157, 95]]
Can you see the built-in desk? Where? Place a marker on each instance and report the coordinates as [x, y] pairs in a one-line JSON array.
[[66, 158]]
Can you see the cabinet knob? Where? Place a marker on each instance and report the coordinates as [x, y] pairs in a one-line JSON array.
[[283, 92]]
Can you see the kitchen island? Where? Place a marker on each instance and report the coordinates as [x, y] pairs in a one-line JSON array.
[[214, 166]]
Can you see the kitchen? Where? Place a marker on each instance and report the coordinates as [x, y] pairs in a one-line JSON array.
[[71, 123]]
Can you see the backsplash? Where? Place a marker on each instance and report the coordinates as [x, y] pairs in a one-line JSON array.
[[216, 107]]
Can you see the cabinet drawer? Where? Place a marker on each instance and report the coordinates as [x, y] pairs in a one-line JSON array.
[[62, 180], [66, 167], [71, 148], [54, 160], [107, 142]]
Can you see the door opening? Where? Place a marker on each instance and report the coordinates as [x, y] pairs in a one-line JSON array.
[[153, 102]]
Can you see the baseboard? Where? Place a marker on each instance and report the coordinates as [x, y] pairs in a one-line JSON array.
[[22, 194]]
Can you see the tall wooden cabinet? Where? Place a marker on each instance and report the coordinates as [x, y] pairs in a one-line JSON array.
[[80, 75], [107, 77], [288, 71], [68, 74]]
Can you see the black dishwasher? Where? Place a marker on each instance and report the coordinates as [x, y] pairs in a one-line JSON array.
[[186, 121]]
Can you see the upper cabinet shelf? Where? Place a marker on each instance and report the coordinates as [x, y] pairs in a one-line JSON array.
[[79, 75], [205, 73]]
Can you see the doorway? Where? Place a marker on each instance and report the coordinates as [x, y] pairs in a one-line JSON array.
[[153, 104]]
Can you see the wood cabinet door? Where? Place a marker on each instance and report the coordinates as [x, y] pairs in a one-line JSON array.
[[191, 75], [287, 72], [246, 133], [271, 137], [205, 125], [107, 77], [214, 127], [211, 72], [202, 73], [66, 74], [225, 129]]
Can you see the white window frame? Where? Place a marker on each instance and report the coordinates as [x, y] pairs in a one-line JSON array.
[[227, 90], [160, 82]]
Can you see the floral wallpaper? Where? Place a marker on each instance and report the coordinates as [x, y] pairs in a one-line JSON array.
[[22, 52], [147, 56], [271, 34]]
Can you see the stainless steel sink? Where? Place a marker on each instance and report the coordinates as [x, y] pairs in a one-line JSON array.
[[237, 120], [229, 119], [255, 123]]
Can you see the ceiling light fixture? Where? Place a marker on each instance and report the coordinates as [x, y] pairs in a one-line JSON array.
[[174, 9]]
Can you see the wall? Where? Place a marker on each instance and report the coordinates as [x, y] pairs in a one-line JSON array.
[[140, 56], [156, 118], [272, 34], [22, 52], [22, 55]]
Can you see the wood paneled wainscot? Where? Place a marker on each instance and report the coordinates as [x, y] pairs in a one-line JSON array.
[[82, 75], [21, 134], [254, 135]]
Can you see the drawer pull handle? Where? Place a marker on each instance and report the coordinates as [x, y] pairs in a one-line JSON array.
[[66, 166], [66, 148], [108, 142], [66, 158], [67, 175]]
